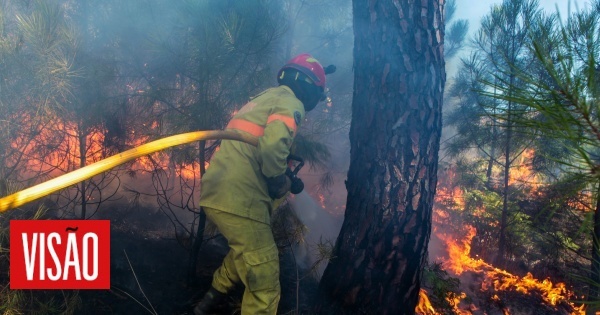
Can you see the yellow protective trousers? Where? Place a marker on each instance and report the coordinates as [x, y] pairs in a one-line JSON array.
[[253, 259]]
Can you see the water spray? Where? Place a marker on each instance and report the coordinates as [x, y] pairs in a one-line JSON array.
[[38, 191]]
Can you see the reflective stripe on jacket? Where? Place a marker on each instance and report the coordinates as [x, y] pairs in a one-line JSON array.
[[235, 181]]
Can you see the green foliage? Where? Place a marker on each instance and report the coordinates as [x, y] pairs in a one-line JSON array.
[[456, 31], [502, 37], [555, 96], [444, 288], [314, 152], [491, 138], [211, 59], [288, 229], [49, 49], [564, 105]]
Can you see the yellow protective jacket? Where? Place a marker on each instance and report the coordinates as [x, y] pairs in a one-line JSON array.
[[235, 180]]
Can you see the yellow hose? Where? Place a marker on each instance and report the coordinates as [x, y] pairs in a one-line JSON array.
[[30, 194]]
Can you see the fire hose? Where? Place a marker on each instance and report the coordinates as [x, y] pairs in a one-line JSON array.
[[38, 191]]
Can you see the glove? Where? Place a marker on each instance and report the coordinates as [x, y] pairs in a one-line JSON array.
[[278, 186]]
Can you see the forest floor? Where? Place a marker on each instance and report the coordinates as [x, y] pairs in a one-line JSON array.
[[149, 273]]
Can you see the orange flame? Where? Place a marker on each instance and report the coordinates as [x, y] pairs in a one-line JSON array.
[[523, 172], [459, 261], [55, 149], [424, 307], [449, 197]]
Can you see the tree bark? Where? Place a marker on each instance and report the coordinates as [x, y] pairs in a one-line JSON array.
[[489, 175], [82, 160], [594, 294], [502, 238], [500, 259], [199, 237], [395, 132]]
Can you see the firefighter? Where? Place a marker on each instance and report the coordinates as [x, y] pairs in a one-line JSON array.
[[242, 183]]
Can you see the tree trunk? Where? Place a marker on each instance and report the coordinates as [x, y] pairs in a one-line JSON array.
[[395, 132], [501, 258], [82, 157], [500, 261], [594, 294], [489, 184], [489, 175], [199, 238]]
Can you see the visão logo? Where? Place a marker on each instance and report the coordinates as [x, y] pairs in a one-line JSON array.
[[60, 254]]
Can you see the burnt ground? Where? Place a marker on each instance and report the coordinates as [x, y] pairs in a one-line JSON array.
[[160, 262]]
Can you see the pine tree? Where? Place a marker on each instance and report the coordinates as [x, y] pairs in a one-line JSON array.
[[396, 124], [565, 107], [501, 46]]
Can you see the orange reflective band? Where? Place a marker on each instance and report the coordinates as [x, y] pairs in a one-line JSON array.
[[288, 121], [249, 127]]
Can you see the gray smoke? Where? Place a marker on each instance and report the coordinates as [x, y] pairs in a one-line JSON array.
[[322, 227]]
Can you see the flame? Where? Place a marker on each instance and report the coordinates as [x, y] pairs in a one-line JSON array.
[[459, 261], [449, 194], [582, 202], [523, 172], [62, 154], [55, 149], [424, 307], [458, 246]]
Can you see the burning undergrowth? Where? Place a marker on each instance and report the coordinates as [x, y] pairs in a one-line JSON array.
[[460, 280], [148, 268], [152, 208], [472, 285], [485, 288]]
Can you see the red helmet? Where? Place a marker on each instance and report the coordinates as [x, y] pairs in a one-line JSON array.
[[309, 66]]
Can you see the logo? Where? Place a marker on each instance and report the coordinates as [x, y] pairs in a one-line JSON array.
[[297, 118], [60, 254]]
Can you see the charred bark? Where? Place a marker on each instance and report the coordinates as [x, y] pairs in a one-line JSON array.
[[395, 132]]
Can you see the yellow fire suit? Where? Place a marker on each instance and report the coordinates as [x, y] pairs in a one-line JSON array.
[[235, 196]]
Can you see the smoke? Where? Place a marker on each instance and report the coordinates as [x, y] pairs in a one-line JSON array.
[[322, 228]]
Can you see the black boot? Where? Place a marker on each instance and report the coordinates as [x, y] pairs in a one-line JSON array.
[[211, 299]]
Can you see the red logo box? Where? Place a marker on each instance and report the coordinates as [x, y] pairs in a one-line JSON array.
[[60, 254]]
